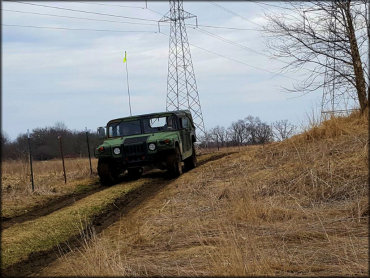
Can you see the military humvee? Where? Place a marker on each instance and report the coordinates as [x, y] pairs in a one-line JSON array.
[[160, 140]]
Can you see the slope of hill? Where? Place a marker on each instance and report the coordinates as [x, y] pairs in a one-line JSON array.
[[298, 207]]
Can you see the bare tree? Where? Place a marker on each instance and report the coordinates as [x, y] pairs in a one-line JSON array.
[[251, 124], [205, 139], [324, 37], [229, 137], [237, 130], [4, 138], [283, 129], [249, 131], [263, 133], [218, 135]]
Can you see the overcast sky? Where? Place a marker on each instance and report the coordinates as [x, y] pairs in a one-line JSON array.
[[77, 76]]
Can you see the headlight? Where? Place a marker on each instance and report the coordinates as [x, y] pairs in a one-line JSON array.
[[116, 151], [151, 146]]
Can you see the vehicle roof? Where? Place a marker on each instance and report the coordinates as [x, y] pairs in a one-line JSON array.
[[177, 112]]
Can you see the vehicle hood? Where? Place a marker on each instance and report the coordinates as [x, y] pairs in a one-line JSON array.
[[134, 139], [161, 136]]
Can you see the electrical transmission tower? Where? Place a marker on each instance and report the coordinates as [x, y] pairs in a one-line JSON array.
[[182, 92], [334, 102]]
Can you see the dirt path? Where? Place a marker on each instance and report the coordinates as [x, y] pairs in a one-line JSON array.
[[38, 260], [69, 199], [50, 206]]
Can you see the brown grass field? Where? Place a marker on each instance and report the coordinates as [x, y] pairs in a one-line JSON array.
[[17, 195], [292, 208]]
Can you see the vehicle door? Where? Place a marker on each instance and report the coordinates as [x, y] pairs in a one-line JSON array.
[[185, 133]]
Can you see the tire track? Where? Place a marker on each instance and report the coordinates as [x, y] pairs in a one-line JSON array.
[[37, 260], [69, 199], [49, 207]]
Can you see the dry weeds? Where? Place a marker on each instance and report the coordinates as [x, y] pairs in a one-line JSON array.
[[17, 195], [299, 207]]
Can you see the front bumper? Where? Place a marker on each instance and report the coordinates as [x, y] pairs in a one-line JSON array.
[[138, 155], [158, 159]]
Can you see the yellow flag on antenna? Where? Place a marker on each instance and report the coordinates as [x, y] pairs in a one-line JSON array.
[[125, 58]]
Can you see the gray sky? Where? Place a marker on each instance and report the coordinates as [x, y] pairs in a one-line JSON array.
[[78, 77]]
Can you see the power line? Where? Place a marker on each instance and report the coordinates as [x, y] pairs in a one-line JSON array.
[[234, 13], [106, 30], [232, 42], [109, 5], [149, 9], [223, 27], [82, 11], [243, 46], [153, 11], [236, 60], [241, 62], [105, 14], [76, 29], [83, 18], [129, 31], [271, 5], [206, 26]]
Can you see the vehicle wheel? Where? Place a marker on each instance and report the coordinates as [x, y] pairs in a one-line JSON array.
[[135, 173], [191, 162], [174, 164], [108, 175]]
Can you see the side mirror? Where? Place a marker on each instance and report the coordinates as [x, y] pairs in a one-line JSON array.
[[101, 132]]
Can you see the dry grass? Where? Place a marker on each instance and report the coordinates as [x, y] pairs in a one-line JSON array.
[[102, 256], [17, 195], [42, 234], [298, 207], [302, 208], [228, 150]]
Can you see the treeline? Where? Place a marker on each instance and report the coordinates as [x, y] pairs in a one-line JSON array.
[[45, 144], [249, 131]]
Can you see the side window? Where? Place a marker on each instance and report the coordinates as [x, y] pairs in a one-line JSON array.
[[184, 122], [171, 123]]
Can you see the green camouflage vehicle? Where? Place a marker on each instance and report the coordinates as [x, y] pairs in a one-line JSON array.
[[159, 140]]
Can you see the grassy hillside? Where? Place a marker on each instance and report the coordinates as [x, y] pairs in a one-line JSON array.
[[16, 193], [31, 238], [298, 207]]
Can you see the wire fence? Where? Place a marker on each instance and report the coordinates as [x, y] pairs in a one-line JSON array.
[[32, 143]]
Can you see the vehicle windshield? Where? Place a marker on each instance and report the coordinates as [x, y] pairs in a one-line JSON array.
[[150, 125], [124, 128], [156, 124]]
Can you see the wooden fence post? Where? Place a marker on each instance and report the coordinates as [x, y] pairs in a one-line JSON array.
[[30, 153], [61, 153]]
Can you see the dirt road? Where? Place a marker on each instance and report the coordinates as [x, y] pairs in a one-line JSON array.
[[150, 184]]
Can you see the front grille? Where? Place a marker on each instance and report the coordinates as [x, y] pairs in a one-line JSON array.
[[136, 140], [135, 149]]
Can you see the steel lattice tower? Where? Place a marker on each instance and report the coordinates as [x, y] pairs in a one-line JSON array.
[[334, 101], [182, 92]]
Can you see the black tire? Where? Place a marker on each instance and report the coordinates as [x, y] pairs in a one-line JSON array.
[[191, 162], [107, 173], [135, 173], [174, 164]]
